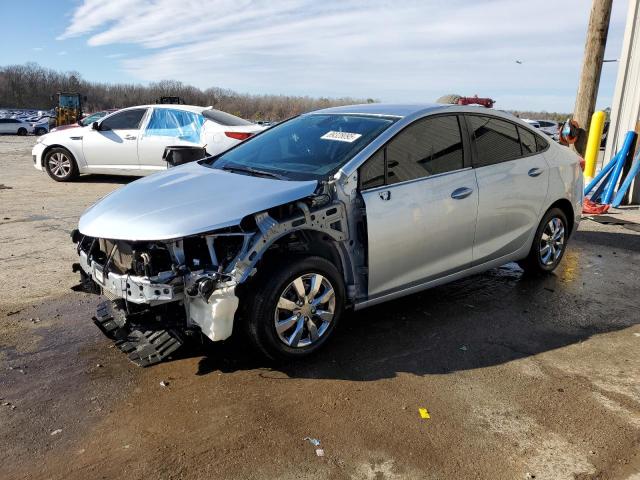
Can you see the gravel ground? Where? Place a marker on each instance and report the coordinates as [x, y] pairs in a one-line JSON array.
[[522, 378]]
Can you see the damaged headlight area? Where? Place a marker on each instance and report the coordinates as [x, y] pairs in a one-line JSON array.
[[160, 293]]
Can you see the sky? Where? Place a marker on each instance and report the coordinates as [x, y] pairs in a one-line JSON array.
[[392, 51]]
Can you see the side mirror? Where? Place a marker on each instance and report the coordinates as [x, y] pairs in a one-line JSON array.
[[95, 126]]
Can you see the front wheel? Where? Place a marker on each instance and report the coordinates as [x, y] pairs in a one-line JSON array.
[[294, 309], [22, 131], [549, 243], [60, 165]]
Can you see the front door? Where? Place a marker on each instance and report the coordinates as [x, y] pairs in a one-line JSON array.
[[421, 201], [115, 145], [513, 179]]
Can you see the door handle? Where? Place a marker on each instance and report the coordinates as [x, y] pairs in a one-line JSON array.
[[460, 193], [129, 137], [386, 195], [534, 172]]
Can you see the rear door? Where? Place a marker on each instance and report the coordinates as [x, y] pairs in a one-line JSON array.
[[168, 126], [115, 145], [421, 202], [513, 179]]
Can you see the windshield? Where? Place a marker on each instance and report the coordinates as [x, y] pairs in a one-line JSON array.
[[92, 118], [309, 147]]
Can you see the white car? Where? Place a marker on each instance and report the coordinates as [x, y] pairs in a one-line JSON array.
[[15, 126], [40, 126], [132, 141]]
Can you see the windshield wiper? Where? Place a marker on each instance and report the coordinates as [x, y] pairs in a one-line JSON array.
[[252, 171]]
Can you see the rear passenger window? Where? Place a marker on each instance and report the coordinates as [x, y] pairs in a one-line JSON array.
[[372, 171], [428, 147], [528, 141], [541, 143], [496, 140]]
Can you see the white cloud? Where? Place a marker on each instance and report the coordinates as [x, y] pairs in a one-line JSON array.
[[62, 52], [401, 51], [37, 49], [116, 55]]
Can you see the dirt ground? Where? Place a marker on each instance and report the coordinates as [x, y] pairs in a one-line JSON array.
[[522, 377]]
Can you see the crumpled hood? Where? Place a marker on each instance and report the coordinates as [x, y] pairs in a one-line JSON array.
[[186, 200]]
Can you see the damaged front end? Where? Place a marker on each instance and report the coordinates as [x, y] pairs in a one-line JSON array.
[[160, 293]]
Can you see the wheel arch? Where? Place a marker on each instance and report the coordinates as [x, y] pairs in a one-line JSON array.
[[310, 243], [51, 147], [567, 208]]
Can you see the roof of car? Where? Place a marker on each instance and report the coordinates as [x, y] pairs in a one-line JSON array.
[[175, 106], [384, 109], [400, 110]]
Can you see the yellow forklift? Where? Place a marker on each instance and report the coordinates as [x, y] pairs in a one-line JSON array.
[[69, 109]]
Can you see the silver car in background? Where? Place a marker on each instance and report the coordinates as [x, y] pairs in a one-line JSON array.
[[337, 209]]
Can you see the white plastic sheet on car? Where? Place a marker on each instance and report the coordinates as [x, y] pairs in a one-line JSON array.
[[166, 122]]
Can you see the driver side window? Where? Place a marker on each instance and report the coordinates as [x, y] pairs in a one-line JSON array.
[[127, 120], [429, 146]]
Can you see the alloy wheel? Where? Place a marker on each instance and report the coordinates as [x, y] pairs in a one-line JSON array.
[[305, 310], [59, 164], [552, 242]]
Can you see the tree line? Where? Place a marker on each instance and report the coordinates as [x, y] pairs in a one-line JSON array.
[[32, 86]]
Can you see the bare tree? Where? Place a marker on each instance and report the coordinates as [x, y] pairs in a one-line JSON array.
[[33, 86]]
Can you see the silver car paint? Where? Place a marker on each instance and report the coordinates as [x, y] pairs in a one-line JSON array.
[[184, 201], [417, 231], [510, 204], [193, 199]]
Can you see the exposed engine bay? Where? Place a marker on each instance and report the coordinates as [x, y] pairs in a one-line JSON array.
[[160, 293]]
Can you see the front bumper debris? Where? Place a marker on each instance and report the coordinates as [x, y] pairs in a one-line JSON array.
[[144, 346], [149, 317]]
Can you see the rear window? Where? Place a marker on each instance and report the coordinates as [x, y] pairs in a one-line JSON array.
[[496, 140], [225, 119]]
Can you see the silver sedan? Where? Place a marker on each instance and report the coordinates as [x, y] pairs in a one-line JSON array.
[[336, 209]]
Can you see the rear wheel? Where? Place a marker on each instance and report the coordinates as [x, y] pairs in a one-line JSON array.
[[22, 131], [60, 165], [293, 311], [40, 131], [549, 243]]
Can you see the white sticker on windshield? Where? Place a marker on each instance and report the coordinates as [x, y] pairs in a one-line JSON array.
[[341, 136]]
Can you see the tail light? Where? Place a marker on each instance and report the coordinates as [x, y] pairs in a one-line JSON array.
[[582, 163], [238, 135]]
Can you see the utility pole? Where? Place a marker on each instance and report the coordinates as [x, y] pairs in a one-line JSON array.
[[592, 66]]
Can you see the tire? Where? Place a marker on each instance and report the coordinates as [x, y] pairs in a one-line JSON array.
[[60, 165], [271, 299], [546, 253], [39, 131], [449, 99], [22, 131]]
